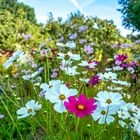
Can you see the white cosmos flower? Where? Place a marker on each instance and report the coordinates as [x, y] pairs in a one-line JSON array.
[[70, 45], [123, 114], [135, 125], [61, 55], [114, 88], [117, 68], [30, 76], [58, 96], [122, 123], [74, 56], [53, 84], [17, 56], [71, 71], [131, 70], [109, 99], [137, 114], [108, 69], [108, 76], [84, 80], [60, 44], [30, 109], [65, 64], [124, 83], [90, 65], [70, 56], [104, 114]]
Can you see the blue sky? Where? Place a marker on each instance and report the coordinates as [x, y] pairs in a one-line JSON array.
[[104, 9]]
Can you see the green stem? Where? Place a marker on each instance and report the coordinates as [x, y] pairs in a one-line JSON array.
[[11, 117]]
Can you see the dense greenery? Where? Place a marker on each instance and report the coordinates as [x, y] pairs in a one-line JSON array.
[[45, 58], [130, 10], [16, 9]]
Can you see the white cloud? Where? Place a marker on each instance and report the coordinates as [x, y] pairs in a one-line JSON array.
[[87, 3], [77, 5]]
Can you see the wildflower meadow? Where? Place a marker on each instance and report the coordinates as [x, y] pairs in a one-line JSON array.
[[73, 80]]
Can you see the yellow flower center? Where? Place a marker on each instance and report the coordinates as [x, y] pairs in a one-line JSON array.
[[81, 107], [123, 114], [62, 97], [50, 86], [109, 101], [30, 110], [110, 77], [103, 112]]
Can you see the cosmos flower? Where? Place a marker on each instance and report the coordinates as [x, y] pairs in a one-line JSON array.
[[94, 80], [109, 99], [27, 36], [136, 42], [42, 45], [54, 73], [30, 76], [69, 56], [16, 57], [71, 71], [88, 49], [124, 83], [122, 123], [120, 58], [73, 26], [70, 45], [43, 52], [53, 84], [124, 46], [117, 68], [82, 41], [30, 109], [2, 116], [73, 36], [123, 114], [88, 64], [114, 88], [61, 39], [59, 96], [104, 114], [84, 80], [115, 45], [82, 28], [81, 106], [108, 76], [135, 125]]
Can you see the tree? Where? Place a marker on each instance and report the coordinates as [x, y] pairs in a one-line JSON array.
[[14, 7], [131, 14]]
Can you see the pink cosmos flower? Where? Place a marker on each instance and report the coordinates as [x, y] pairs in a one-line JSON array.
[[81, 106], [88, 49]]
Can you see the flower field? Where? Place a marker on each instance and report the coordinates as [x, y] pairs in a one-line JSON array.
[[78, 80]]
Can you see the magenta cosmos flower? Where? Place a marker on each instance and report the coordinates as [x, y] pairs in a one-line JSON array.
[[94, 80], [81, 106], [120, 58]]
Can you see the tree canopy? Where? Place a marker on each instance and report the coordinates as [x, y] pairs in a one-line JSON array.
[[130, 10], [15, 8]]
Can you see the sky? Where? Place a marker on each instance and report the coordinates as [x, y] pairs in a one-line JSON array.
[[104, 9]]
